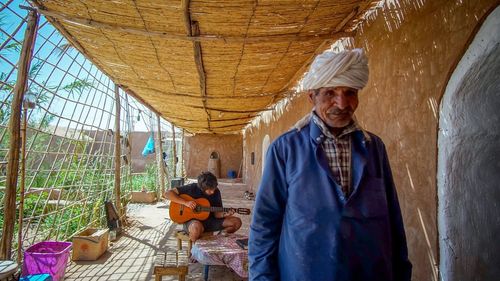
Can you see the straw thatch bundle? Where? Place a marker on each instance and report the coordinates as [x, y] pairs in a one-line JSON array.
[[206, 66]]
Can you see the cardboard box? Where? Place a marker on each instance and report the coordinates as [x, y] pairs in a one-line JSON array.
[[143, 197], [90, 244]]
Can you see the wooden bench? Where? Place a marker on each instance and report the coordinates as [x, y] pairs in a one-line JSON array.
[[171, 263]]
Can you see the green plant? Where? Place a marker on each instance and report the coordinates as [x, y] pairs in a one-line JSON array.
[[151, 176], [137, 181], [68, 222], [96, 212], [34, 204], [146, 180]]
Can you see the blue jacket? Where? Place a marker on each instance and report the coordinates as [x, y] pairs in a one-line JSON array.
[[303, 228]]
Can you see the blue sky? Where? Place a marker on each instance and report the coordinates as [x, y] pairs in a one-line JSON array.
[[92, 107]]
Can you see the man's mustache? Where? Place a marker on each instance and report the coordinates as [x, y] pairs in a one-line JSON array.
[[338, 111]]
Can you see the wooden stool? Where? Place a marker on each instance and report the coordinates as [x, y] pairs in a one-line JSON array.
[[181, 235], [171, 263]]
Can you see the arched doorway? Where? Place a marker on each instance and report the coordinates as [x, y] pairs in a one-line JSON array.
[[265, 145], [469, 162]]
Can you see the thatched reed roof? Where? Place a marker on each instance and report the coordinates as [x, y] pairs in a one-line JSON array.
[[206, 66]]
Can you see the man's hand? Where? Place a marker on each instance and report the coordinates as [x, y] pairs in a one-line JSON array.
[[190, 204], [230, 213]]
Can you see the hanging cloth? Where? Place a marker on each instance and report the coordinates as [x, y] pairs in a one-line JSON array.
[[149, 148]]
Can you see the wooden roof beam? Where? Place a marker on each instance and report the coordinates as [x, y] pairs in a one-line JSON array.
[[346, 20], [198, 58], [193, 29], [251, 116]]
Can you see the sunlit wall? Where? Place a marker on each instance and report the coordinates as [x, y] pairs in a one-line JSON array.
[[413, 47]]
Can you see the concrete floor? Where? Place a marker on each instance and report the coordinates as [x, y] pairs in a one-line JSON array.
[[150, 230]]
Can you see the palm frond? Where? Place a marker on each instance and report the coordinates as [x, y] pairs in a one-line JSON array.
[[78, 86], [4, 84], [34, 70], [63, 48], [2, 20], [15, 47]]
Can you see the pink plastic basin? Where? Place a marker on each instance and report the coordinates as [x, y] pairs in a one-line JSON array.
[[47, 257]]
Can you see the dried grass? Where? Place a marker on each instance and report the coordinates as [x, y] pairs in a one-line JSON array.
[[252, 53]]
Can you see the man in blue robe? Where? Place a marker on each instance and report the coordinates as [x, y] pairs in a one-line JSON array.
[[327, 208]]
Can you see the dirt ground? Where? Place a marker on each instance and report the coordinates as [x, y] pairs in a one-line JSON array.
[[150, 230]]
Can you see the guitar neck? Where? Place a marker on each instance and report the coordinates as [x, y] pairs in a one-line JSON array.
[[214, 209]]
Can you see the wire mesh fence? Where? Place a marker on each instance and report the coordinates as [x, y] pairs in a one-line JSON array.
[[70, 136]]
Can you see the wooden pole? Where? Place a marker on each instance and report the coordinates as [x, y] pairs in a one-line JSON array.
[[183, 151], [14, 130], [21, 192], [159, 160], [129, 139], [117, 151], [174, 152]]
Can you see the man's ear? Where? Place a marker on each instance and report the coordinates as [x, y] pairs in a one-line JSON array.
[[310, 95]]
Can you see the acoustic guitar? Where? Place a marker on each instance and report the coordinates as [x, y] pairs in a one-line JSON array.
[[181, 214]]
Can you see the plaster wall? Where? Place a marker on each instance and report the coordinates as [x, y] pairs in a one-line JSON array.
[[469, 162], [198, 148], [413, 46], [273, 126]]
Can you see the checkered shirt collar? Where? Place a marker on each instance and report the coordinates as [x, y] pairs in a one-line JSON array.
[[324, 129]]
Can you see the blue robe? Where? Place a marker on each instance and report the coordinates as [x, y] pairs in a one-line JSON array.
[[303, 228]]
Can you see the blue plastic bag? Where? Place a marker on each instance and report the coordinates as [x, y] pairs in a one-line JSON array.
[[149, 148]]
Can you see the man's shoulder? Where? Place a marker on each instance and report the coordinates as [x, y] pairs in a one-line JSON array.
[[294, 135], [188, 188], [290, 140], [191, 185], [375, 138]]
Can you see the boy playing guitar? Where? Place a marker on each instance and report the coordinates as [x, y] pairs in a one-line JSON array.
[[205, 188]]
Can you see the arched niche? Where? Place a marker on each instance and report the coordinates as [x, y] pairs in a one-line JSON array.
[[469, 162], [265, 145]]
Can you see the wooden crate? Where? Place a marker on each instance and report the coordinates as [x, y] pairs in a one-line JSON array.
[[90, 244], [143, 197]]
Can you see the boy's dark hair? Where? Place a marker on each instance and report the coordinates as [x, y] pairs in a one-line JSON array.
[[207, 180]]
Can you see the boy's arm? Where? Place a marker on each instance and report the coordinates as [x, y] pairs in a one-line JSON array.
[[221, 215], [173, 195]]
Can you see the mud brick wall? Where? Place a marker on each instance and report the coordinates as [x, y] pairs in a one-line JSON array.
[[413, 47], [199, 147]]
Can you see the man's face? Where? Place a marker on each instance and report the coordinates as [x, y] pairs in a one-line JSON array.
[[335, 105], [210, 191]]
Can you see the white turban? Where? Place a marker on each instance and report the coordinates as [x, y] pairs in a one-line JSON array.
[[347, 68]]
